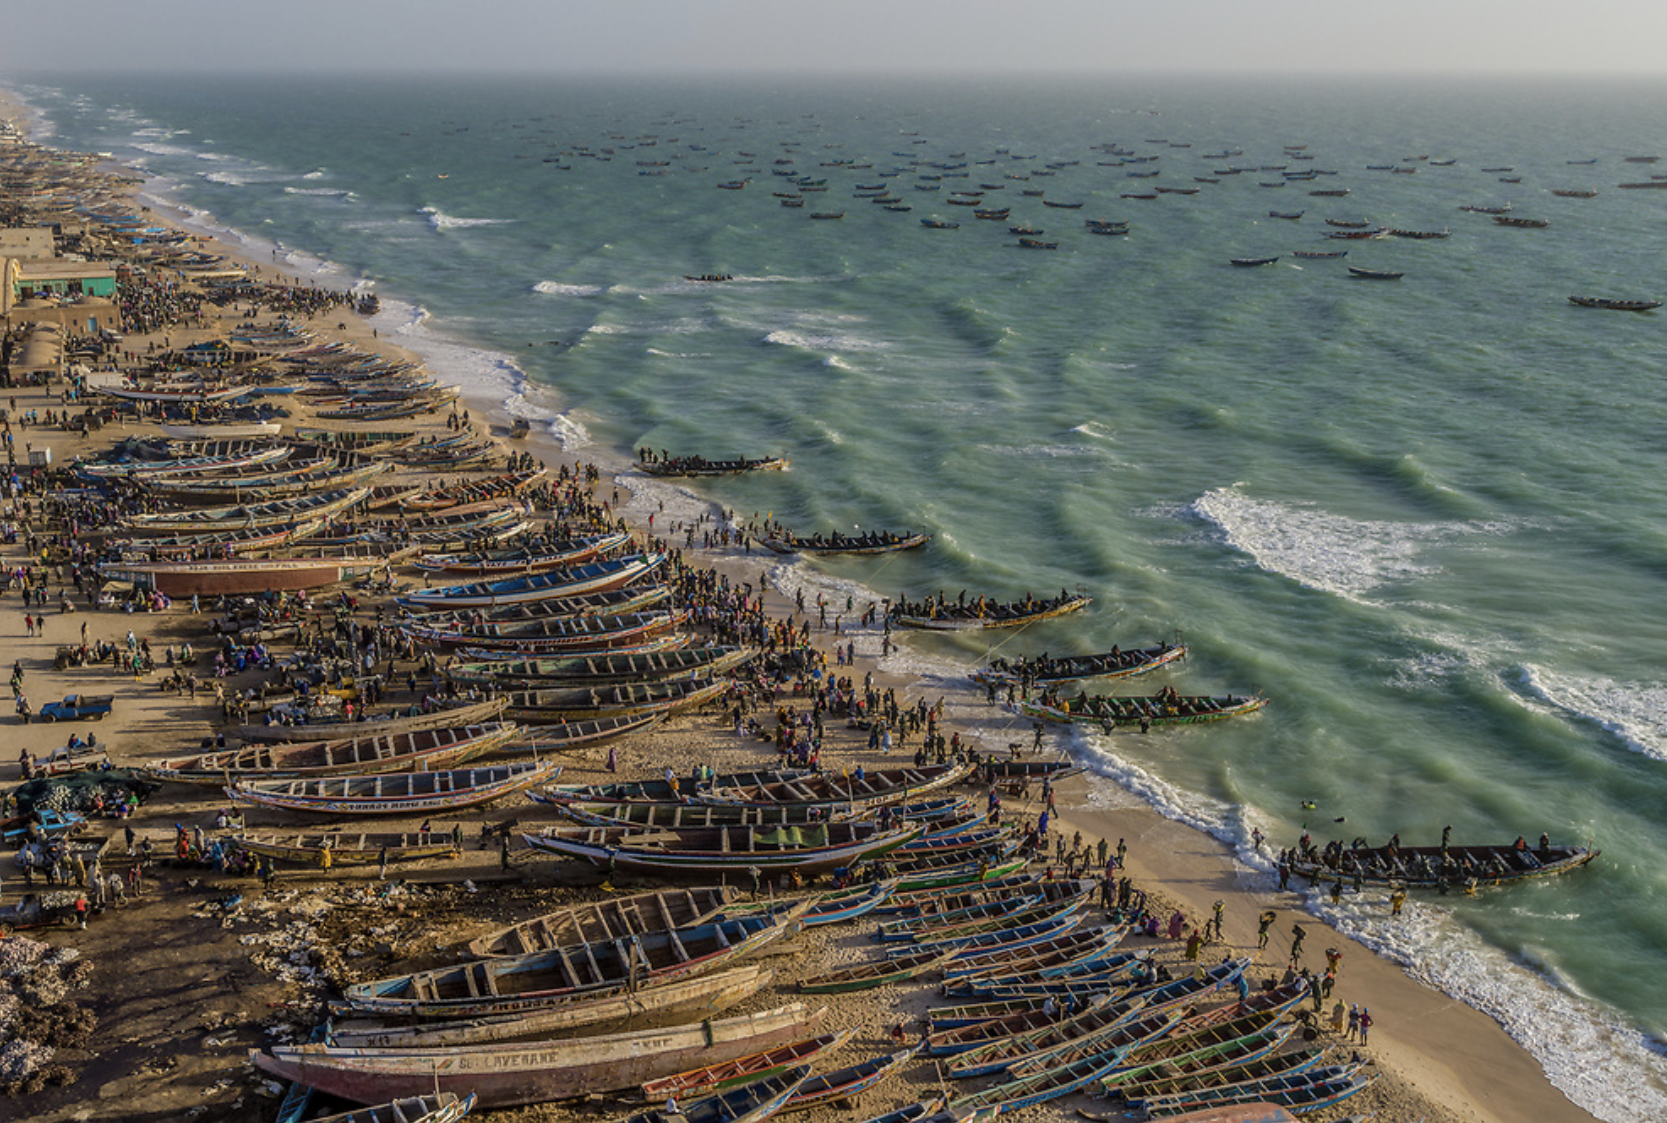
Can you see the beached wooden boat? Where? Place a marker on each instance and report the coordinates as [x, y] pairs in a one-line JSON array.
[[749, 1102], [569, 736], [1304, 1091], [280, 512], [322, 475], [230, 456], [680, 816], [527, 559], [556, 634], [220, 543], [1436, 867], [700, 466], [814, 848], [358, 756], [605, 670], [220, 430], [238, 576], [862, 789], [984, 613], [653, 1001], [741, 1070], [874, 542], [845, 1083], [349, 848], [608, 918], [1116, 663], [1207, 1070], [399, 793], [661, 790], [515, 983], [614, 602], [601, 702], [596, 578], [952, 1040], [508, 1075], [473, 713], [1185, 1038], [1159, 709], [877, 973]]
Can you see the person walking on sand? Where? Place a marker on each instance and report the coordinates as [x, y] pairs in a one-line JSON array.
[[1339, 1013], [1216, 920], [1354, 1021], [1297, 936], [1263, 923], [1397, 898]]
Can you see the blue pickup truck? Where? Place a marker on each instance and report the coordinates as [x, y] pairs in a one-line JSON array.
[[78, 707]]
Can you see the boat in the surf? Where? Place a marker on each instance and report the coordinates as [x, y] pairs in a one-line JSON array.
[[809, 849], [469, 713], [692, 465], [873, 542], [1251, 262], [356, 756], [1614, 305], [1440, 867], [1167, 707], [700, 995], [548, 585], [397, 793], [1116, 663], [508, 1075], [1521, 223], [944, 615], [1373, 274], [513, 983]]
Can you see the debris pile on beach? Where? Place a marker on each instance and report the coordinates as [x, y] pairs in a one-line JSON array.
[[36, 1015]]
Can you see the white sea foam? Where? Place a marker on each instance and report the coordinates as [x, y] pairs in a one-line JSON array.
[[560, 288], [323, 192], [442, 221], [1331, 553], [822, 341], [1635, 712]]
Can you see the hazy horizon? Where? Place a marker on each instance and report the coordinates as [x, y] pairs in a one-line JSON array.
[[859, 38]]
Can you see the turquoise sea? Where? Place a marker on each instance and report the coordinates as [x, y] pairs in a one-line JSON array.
[[1426, 518]]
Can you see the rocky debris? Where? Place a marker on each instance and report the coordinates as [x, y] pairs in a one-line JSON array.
[[36, 1015]]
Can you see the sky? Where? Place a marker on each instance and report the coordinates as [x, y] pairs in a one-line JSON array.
[[656, 38]]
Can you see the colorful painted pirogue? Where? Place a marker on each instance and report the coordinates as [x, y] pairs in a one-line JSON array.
[[943, 616], [528, 559], [813, 848], [1116, 663], [753, 1101], [867, 790], [515, 983], [554, 635], [1434, 867], [400, 793], [596, 578], [632, 598], [700, 466], [280, 512], [1164, 708], [726, 1074], [510, 1074], [358, 756], [443, 1108]]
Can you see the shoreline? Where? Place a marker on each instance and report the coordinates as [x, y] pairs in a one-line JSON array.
[[1420, 1032]]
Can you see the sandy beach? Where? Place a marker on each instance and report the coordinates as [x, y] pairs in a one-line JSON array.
[[198, 968]]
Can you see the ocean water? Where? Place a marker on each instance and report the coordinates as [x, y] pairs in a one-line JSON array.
[[1426, 518]]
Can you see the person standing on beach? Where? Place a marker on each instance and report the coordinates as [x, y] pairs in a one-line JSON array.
[[1365, 1024]]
